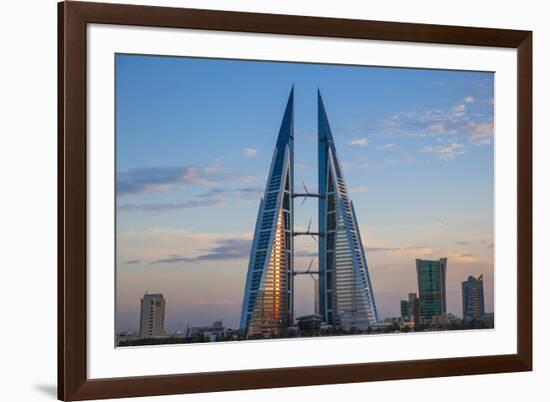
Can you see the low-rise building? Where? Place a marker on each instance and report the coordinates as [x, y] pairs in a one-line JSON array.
[[212, 333], [309, 323]]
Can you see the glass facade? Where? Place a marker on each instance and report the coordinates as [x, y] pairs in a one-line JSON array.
[[473, 302], [404, 308], [346, 299], [267, 302], [270, 315], [431, 276]]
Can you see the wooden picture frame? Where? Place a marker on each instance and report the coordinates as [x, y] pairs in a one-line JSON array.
[[73, 17]]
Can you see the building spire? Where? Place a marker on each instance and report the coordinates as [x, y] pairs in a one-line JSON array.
[[286, 132], [324, 132]]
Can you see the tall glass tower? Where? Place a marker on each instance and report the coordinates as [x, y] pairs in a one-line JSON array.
[[268, 297], [473, 302], [346, 298], [432, 291]]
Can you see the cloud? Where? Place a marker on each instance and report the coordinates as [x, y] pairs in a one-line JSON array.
[[463, 257], [481, 133], [445, 152], [249, 152], [459, 109], [215, 197], [384, 161], [173, 259], [462, 243], [132, 262], [224, 249], [438, 128], [417, 251], [147, 179], [163, 243], [162, 179], [242, 193], [214, 193], [358, 189], [457, 120], [384, 249], [362, 142], [384, 147], [250, 193], [155, 207], [419, 118]]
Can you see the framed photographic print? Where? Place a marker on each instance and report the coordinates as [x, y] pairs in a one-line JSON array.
[[253, 200]]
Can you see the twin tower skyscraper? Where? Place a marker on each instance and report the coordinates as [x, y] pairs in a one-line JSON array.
[[345, 295]]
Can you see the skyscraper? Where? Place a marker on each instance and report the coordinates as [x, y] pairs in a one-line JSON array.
[[268, 298], [413, 300], [404, 308], [473, 303], [346, 298], [432, 296], [409, 308], [152, 315]]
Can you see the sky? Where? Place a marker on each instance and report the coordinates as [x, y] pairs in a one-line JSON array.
[[194, 142]]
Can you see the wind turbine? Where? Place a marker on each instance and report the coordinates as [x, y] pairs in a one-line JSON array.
[[308, 232], [308, 271], [306, 194]]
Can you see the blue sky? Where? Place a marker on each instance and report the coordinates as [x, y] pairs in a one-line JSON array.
[[194, 142]]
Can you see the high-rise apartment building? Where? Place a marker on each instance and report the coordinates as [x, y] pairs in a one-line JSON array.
[[473, 302], [432, 295], [152, 315]]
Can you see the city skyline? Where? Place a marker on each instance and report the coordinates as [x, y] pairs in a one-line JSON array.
[[419, 170]]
